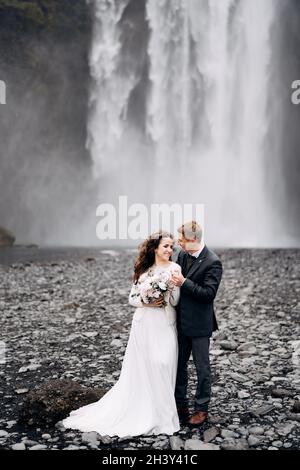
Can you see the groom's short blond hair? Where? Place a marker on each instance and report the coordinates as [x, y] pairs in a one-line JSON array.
[[191, 231]]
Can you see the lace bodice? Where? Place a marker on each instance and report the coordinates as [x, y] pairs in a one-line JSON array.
[[171, 298]]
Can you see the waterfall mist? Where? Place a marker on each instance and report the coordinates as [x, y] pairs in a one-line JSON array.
[[180, 111]]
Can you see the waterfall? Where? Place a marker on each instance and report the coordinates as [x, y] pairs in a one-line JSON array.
[[205, 110], [112, 87]]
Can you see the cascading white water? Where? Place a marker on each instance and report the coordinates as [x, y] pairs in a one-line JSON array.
[[205, 110], [112, 87]]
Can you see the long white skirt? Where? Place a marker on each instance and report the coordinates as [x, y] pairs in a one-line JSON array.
[[142, 401]]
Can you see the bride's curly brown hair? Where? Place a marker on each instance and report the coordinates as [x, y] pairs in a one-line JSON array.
[[146, 256]]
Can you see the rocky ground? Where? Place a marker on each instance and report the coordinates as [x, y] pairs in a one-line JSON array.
[[66, 317]]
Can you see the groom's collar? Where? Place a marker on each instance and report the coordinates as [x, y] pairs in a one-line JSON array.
[[198, 253]]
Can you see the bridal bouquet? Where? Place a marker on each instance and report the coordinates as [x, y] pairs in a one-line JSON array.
[[155, 286]]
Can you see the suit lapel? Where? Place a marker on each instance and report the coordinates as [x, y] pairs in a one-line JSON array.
[[196, 265]]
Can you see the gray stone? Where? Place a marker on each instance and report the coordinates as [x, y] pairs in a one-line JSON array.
[[11, 423], [73, 447], [263, 410], [293, 417], [38, 447], [210, 434], [285, 429], [29, 367], [281, 393], [176, 443], [254, 441], [296, 407], [18, 446], [196, 444], [247, 349], [277, 444], [117, 343], [242, 394], [228, 345], [106, 439], [91, 438], [257, 430], [235, 444], [238, 377], [226, 434]]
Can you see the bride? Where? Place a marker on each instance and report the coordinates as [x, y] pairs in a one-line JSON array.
[[142, 401]]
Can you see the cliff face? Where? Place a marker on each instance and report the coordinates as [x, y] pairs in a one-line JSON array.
[[44, 48], [44, 63]]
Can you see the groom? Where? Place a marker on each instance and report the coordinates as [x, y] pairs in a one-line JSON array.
[[199, 282]]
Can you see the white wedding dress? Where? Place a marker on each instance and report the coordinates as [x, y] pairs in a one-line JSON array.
[[142, 401]]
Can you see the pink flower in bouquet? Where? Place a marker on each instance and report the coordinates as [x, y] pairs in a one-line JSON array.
[[155, 286]]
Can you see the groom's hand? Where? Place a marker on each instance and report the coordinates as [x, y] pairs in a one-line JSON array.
[[178, 279]]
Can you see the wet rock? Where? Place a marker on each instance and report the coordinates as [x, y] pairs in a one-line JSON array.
[[91, 438], [196, 444], [117, 343], [263, 410], [29, 367], [105, 439], [7, 238], [176, 443], [277, 444], [21, 391], [18, 446], [227, 434], [242, 394], [296, 407], [72, 447], [247, 349], [285, 429], [71, 305], [228, 345], [257, 430], [38, 447], [281, 393], [254, 441], [54, 400], [235, 444], [210, 434]]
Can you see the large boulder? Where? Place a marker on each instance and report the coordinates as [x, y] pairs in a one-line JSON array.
[[7, 238], [54, 400]]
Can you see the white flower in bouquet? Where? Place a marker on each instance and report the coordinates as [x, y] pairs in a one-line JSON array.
[[155, 286]]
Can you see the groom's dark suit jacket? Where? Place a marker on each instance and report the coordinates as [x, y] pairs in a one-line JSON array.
[[195, 311]]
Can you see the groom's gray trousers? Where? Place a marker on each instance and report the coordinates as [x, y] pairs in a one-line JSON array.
[[199, 347]]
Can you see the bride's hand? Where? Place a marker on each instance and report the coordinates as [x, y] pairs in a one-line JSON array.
[[157, 303]]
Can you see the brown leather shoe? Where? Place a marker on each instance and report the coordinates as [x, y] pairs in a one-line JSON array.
[[198, 418]]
